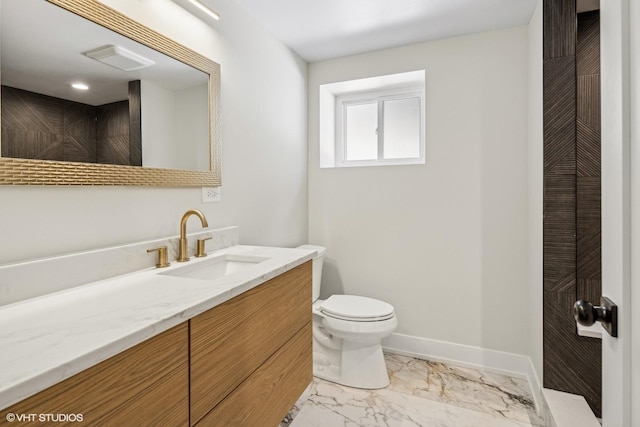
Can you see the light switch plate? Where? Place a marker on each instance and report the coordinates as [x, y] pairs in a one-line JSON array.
[[211, 194]]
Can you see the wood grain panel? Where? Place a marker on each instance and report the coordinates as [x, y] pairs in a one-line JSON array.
[[589, 101], [113, 150], [571, 200], [559, 18], [33, 145], [100, 391], [589, 242], [589, 239], [559, 116], [266, 397], [135, 123], [30, 111], [112, 129], [559, 237], [232, 340], [589, 289], [587, 150], [79, 149], [79, 119], [571, 362], [41, 127], [79, 133], [113, 119], [588, 43], [32, 125], [589, 230], [588, 95]]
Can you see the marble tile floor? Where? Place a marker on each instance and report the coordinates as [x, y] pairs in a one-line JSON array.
[[422, 393]]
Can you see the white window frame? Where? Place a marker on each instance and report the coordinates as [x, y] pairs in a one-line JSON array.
[[378, 96]]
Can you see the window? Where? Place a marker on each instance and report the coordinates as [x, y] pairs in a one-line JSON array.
[[373, 122], [379, 128]]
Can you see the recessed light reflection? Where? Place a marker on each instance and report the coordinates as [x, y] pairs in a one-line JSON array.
[[80, 86]]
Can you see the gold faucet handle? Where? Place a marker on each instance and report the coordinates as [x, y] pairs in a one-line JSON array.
[[163, 259], [200, 252]]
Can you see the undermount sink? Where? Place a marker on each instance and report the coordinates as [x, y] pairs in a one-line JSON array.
[[216, 267]]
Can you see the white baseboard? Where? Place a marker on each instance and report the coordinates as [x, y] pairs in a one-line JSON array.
[[516, 365], [536, 388]]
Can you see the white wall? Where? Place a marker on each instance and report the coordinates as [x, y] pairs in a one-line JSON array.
[[536, 175], [446, 242], [175, 127], [192, 127], [158, 121], [264, 153]]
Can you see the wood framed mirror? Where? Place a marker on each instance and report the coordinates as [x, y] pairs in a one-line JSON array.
[[15, 170]]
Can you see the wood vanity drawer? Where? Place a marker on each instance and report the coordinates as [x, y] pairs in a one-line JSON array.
[[267, 395], [145, 383], [230, 341]]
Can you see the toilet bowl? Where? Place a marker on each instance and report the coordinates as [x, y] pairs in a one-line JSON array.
[[347, 335]]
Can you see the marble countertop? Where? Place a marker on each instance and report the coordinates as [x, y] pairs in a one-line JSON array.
[[47, 339]]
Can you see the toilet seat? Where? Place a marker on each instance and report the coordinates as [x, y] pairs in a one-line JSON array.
[[356, 308]]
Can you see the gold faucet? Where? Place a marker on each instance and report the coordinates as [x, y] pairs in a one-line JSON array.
[[183, 254]]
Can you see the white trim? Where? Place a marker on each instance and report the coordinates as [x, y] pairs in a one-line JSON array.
[[615, 28], [536, 387], [515, 365], [634, 60]]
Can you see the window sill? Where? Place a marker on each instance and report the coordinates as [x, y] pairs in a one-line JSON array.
[[375, 163]]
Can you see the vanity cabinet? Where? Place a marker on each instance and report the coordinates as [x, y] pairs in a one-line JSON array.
[[145, 385], [242, 363], [251, 357]]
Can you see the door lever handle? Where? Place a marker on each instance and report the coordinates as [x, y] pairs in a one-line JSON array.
[[607, 313]]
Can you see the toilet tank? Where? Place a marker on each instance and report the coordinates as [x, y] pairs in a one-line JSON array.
[[317, 269]]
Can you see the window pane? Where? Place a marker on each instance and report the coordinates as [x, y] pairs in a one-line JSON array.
[[361, 136], [402, 128]]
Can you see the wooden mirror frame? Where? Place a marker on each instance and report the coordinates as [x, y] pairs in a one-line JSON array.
[[45, 172]]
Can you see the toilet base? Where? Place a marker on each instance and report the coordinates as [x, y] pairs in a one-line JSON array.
[[353, 365]]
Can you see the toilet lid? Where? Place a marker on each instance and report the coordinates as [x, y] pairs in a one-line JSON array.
[[356, 308]]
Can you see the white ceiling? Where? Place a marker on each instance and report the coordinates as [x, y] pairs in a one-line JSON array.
[[323, 29]]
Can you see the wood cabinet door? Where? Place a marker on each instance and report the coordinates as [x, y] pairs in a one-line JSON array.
[[267, 395], [146, 385], [230, 341]]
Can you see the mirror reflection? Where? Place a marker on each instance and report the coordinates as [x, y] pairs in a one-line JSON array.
[[75, 91]]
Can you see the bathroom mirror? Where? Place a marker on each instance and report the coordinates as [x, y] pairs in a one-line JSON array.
[[151, 112]]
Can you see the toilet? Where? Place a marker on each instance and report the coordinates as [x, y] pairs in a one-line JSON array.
[[347, 335]]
